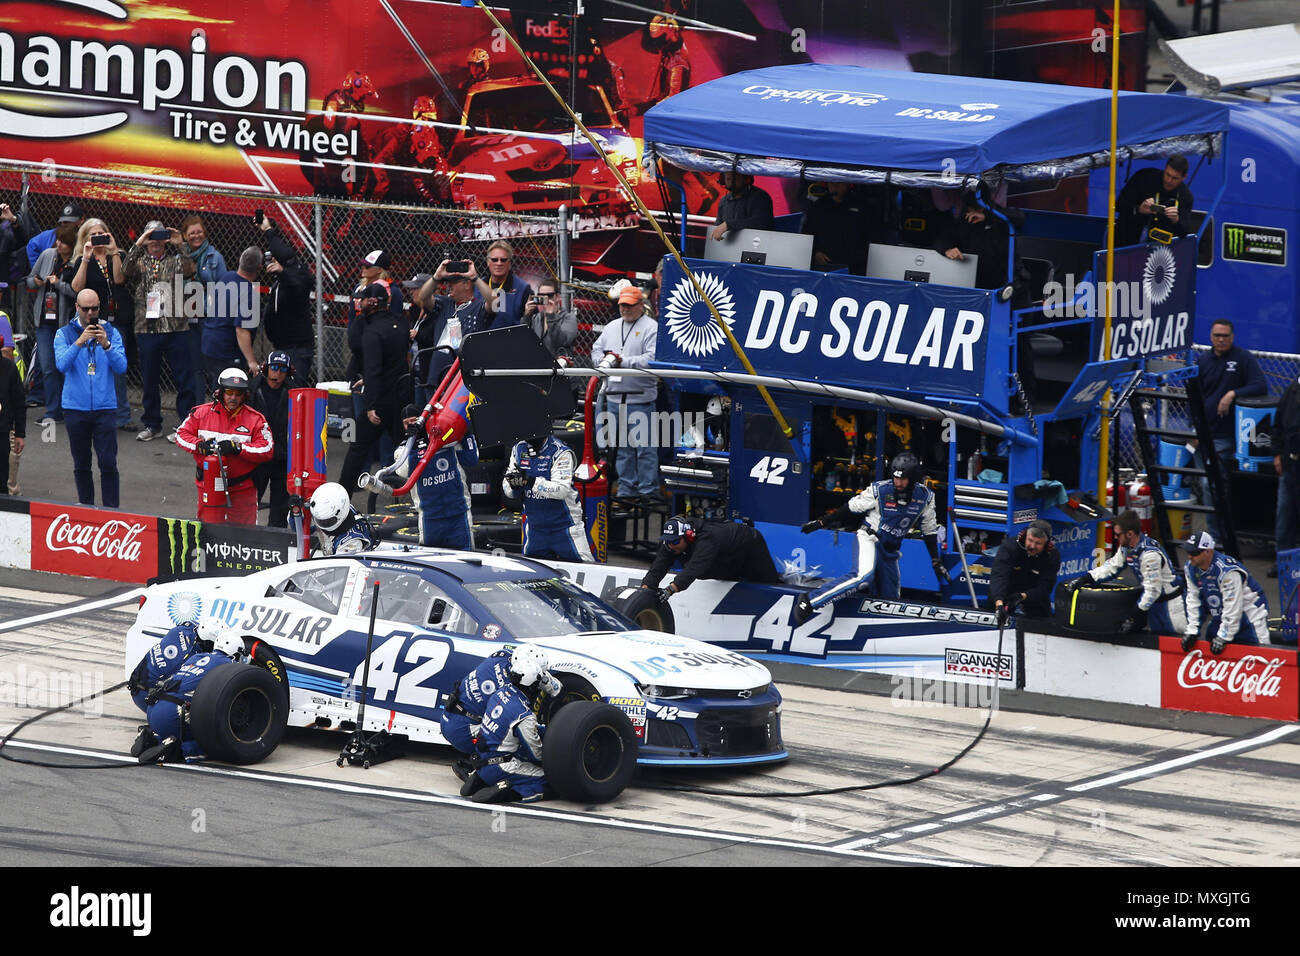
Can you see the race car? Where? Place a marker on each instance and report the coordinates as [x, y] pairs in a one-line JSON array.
[[517, 150], [441, 613]]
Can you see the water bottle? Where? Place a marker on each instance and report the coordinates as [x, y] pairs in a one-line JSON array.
[[453, 332]]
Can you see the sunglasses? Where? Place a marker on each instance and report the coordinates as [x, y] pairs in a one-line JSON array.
[[499, 259], [278, 368], [88, 308]]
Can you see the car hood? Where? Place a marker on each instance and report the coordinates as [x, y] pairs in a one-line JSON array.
[[655, 657]]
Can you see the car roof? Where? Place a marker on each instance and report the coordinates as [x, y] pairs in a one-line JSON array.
[[467, 567]]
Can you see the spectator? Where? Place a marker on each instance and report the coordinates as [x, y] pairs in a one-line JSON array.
[[7, 344], [385, 348], [232, 316], [556, 328], [1238, 610], [1152, 199], [52, 306], [69, 215], [451, 317], [90, 354], [630, 343], [100, 265], [209, 266], [507, 293], [229, 435], [374, 269], [13, 417], [13, 238], [744, 207], [842, 227], [1286, 435], [289, 318], [270, 396], [982, 231], [157, 266], [1024, 572], [1226, 373]]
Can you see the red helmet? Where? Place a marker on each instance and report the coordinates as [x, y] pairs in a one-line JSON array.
[[424, 109], [357, 86]]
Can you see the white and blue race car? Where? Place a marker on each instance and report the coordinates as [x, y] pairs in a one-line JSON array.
[[441, 613]]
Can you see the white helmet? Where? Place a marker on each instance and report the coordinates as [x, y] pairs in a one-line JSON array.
[[229, 643], [330, 505], [527, 664], [210, 629]]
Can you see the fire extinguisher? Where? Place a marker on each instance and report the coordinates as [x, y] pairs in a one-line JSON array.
[[1139, 499], [215, 488], [1118, 499]]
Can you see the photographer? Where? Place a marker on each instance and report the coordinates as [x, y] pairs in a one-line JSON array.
[[555, 328], [1152, 199], [451, 317], [289, 317], [90, 355]]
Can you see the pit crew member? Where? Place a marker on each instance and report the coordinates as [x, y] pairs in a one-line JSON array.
[[509, 745], [464, 707], [441, 496], [169, 701], [342, 530], [1238, 609], [722, 550], [1024, 572], [236, 432], [1161, 603], [167, 655], [541, 471], [890, 509]]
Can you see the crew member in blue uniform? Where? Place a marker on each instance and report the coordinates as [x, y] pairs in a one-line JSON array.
[[509, 741], [169, 701], [167, 655], [441, 496], [1238, 609], [1161, 602], [889, 509], [342, 530], [542, 472], [463, 708]]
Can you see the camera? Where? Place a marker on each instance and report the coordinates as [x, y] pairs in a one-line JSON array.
[[160, 235], [100, 240], [257, 216], [267, 258], [459, 267]]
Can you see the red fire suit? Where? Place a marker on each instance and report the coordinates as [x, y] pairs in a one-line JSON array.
[[249, 430]]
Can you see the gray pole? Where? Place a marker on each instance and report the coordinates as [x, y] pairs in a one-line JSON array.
[[562, 266], [320, 294]]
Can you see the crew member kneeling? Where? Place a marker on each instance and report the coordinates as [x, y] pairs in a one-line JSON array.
[[1161, 602], [169, 701], [228, 440]]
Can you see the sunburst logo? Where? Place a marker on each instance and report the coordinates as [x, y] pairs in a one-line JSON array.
[[1158, 275], [184, 606], [690, 322]]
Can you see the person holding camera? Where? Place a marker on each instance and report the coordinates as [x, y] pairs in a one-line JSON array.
[[451, 317], [554, 326], [1154, 199], [101, 266], [51, 305], [289, 317], [90, 354], [158, 267]]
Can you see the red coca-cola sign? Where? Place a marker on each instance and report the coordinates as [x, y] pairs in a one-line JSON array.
[[1249, 680], [96, 544]]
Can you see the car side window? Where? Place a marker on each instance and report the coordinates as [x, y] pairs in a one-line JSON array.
[[320, 588], [406, 598]]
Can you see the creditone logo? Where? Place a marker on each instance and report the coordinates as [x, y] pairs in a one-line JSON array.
[[821, 97], [1159, 275], [690, 323]]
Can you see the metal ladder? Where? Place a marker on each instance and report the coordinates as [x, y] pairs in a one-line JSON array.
[[1176, 385]]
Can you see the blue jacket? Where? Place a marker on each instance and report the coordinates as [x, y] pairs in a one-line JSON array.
[[1236, 370], [82, 390]]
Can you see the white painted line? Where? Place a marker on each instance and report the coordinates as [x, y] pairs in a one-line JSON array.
[[530, 811], [1245, 743], [70, 609]]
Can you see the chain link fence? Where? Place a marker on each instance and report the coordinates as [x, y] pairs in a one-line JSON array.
[[331, 237]]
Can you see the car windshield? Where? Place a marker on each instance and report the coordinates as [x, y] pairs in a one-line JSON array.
[[531, 109], [545, 608]]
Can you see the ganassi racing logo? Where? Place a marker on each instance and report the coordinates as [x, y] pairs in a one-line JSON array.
[[1159, 275], [690, 321]]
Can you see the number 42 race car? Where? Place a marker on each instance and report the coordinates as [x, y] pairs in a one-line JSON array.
[[673, 700]]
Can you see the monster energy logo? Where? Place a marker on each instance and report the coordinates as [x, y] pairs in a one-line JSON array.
[[182, 541], [1254, 244], [1236, 240]]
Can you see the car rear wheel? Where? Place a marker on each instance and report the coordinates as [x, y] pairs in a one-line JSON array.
[[643, 607], [590, 752], [239, 713]]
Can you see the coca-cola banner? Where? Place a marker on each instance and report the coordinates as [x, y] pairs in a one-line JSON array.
[[112, 545], [1248, 680]]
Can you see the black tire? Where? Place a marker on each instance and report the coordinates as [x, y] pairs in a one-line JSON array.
[[643, 607], [238, 714], [1097, 608], [264, 655], [590, 752]]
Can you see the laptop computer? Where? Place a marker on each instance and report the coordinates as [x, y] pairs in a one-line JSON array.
[[910, 264], [762, 247]]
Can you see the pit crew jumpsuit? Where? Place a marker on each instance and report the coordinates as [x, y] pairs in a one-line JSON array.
[[464, 709], [887, 519], [510, 744], [248, 429], [553, 524], [163, 660], [1162, 593], [168, 712], [353, 535], [442, 494], [1238, 610]]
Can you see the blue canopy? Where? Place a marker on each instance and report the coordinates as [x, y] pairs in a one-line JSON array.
[[845, 122]]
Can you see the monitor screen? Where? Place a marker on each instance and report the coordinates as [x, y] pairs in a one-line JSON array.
[[910, 264], [762, 247]]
